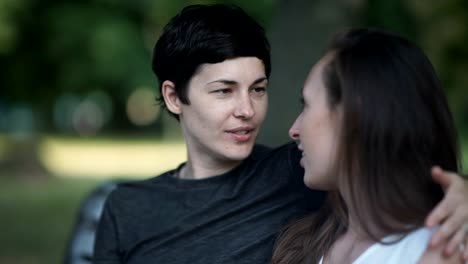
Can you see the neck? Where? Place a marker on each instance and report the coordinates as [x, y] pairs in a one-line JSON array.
[[198, 167], [202, 171], [354, 241], [348, 247], [357, 224]]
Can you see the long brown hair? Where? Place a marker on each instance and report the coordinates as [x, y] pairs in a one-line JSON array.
[[396, 125]]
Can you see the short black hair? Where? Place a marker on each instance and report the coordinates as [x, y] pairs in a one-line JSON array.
[[202, 34]]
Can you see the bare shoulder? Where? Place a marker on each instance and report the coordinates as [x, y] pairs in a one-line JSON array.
[[436, 256]]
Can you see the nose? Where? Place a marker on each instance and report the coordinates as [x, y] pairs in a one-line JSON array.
[[244, 108], [294, 130]]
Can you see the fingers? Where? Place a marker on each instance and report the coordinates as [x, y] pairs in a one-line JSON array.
[[446, 230], [455, 200], [456, 242], [465, 248], [442, 177], [441, 211], [462, 247], [439, 214], [453, 230], [451, 214]]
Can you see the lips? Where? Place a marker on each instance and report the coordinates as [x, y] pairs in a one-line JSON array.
[[241, 134], [299, 146], [301, 149]]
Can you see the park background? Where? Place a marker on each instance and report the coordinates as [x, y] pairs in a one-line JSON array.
[[77, 94]]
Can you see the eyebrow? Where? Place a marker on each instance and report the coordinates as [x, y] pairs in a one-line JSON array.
[[232, 82]]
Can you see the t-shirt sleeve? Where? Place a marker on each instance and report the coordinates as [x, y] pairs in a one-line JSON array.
[[106, 246]]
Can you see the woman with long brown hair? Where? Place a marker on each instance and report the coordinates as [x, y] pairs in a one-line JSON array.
[[374, 121]]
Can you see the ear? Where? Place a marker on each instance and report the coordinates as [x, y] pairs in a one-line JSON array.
[[171, 99]]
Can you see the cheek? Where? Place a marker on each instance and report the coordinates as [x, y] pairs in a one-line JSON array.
[[203, 120], [213, 110], [261, 105], [310, 134], [262, 110], [317, 134], [319, 169], [318, 137], [319, 145]]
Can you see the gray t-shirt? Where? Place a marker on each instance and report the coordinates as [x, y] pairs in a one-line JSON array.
[[230, 218]]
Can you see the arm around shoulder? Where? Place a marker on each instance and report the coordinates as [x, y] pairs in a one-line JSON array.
[[436, 256]]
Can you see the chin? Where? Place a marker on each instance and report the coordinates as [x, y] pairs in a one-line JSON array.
[[315, 183], [239, 152]]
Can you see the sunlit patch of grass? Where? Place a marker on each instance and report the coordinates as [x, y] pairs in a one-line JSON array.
[[110, 157]]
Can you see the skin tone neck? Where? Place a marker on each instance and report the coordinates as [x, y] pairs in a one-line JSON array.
[[351, 244], [355, 241], [205, 168]]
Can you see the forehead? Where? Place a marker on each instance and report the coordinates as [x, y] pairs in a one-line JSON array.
[[314, 80], [242, 68]]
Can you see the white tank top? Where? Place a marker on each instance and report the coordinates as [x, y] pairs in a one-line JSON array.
[[407, 251]]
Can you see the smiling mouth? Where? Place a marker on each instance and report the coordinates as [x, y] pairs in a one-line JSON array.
[[242, 132]]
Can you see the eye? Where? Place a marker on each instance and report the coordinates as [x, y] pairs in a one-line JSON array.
[[222, 91], [259, 90]]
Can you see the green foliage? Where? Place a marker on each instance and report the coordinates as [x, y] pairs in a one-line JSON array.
[[50, 48]]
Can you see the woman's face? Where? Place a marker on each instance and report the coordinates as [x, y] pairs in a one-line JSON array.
[[316, 129], [228, 103]]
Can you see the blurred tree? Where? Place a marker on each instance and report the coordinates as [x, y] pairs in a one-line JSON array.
[[75, 46], [49, 48]]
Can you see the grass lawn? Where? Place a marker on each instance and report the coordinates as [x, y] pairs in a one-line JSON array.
[[37, 213], [36, 217]]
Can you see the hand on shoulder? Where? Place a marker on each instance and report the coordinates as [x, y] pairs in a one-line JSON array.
[[437, 256]]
